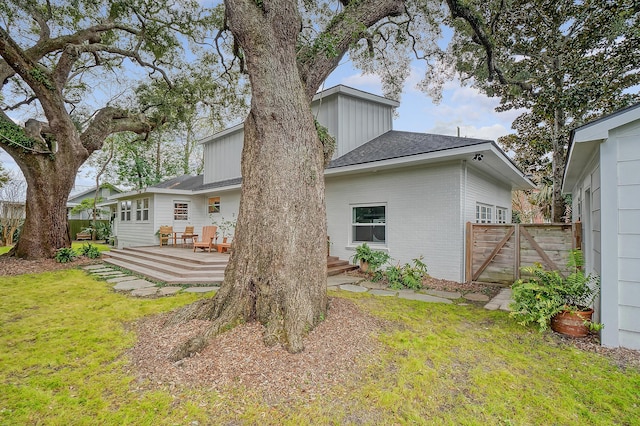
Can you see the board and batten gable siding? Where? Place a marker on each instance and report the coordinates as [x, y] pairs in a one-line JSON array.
[[627, 139], [422, 211], [359, 121], [222, 157], [351, 118], [136, 233]]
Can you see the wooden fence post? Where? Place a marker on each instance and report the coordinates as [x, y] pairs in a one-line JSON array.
[[469, 253]]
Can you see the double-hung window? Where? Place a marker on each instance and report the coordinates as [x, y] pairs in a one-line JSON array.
[[125, 211], [142, 209], [369, 224], [484, 213], [501, 214]]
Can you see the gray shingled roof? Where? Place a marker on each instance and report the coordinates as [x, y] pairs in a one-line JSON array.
[[184, 182], [395, 144], [219, 184]]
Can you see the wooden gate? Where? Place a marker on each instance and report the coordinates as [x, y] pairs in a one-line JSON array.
[[495, 253]]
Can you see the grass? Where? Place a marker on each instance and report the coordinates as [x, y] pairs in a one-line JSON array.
[[65, 334], [74, 245]]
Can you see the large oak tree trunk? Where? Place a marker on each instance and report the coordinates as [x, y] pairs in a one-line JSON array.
[[277, 271], [50, 178]]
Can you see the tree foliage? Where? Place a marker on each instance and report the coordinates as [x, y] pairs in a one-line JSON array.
[[563, 62]]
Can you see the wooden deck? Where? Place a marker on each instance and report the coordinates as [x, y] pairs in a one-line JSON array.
[[175, 265]]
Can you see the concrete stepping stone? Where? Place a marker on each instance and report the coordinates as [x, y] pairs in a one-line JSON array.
[[385, 293], [201, 289], [146, 291], [109, 273], [410, 295], [353, 288], [476, 297], [92, 267], [133, 285], [373, 286], [445, 294], [166, 291], [336, 280], [103, 269], [501, 301], [121, 279]]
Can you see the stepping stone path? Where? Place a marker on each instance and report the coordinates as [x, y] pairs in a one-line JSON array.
[[501, 301], [139, 287]]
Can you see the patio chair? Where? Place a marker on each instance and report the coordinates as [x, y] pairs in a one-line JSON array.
[[208, 238], [188, 235], [166, 234]]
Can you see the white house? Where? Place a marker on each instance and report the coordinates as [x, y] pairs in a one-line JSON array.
[[409, 194], [603, 175]]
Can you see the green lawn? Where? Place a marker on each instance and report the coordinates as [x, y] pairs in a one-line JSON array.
[[75, 245], [62, 362]]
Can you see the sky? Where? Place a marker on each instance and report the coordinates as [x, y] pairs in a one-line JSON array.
[[461, 107]]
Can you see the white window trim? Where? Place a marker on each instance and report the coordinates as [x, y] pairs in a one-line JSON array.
[[378, 245], [140, 208], [504, 210], [124, 212], [188, 210], [488, 213]]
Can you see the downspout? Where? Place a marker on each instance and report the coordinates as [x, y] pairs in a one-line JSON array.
[[463, 210]]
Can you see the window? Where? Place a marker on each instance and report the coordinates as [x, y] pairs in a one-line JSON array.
[[501, 214], [368, 224], [180, 211], [484, 213], [125, 211], [214, 205], [142, 209]]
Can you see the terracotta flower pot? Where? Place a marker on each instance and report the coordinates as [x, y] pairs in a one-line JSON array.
[[572, 323], [364, 266]]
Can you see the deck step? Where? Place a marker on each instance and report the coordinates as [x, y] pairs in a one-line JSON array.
[[183, 266]]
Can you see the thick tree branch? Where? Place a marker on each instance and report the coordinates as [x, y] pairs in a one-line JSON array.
[[46, 45], [346, 28], [111, 120]]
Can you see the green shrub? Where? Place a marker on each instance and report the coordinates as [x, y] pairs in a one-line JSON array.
[[405, 276], [90, 251], [547, 293], [374, 258], [66, 255]]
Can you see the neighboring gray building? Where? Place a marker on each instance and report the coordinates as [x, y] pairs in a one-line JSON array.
[[603, 175], [105, 206], [409, 194]]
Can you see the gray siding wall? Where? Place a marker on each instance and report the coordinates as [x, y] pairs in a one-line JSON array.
[[481, 188], [628, 189], [137, 233], [222, 157], [422, 207], [350, 120], [359, 122]]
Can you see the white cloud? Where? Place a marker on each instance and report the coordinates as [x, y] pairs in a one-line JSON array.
[[367, 82], [492, 132]]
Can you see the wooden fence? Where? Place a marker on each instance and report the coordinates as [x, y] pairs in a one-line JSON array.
[[496, 253], [77, 225]]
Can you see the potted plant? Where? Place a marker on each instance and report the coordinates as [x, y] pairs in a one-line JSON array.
[[370, 260], [548, 299]]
